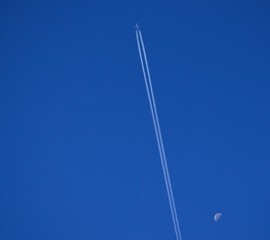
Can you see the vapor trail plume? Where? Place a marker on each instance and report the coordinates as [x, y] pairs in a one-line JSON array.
[[151, 99]]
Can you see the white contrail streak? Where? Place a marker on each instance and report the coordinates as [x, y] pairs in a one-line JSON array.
[[151, 99], [164, 160], [157, 131]]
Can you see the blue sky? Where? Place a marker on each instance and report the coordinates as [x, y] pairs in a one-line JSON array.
[[78, 155]]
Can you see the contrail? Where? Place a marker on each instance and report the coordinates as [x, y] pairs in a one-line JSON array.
[[151, 99], [156, 126], [161, 146]]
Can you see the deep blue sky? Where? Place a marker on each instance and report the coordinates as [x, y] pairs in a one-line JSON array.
[[78, 155]]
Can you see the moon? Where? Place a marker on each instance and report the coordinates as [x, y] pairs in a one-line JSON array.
[[217, 216]]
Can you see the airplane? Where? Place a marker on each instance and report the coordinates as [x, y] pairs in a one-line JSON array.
[[137, 26]]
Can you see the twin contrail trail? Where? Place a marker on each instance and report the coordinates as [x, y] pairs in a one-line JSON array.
[[151, 99]]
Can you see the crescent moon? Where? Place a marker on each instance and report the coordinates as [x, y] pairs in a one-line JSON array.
[[217, 216]]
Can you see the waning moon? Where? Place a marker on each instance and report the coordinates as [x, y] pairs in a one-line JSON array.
[[217, 216]]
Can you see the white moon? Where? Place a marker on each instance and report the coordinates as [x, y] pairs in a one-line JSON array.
[[217, 216]]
